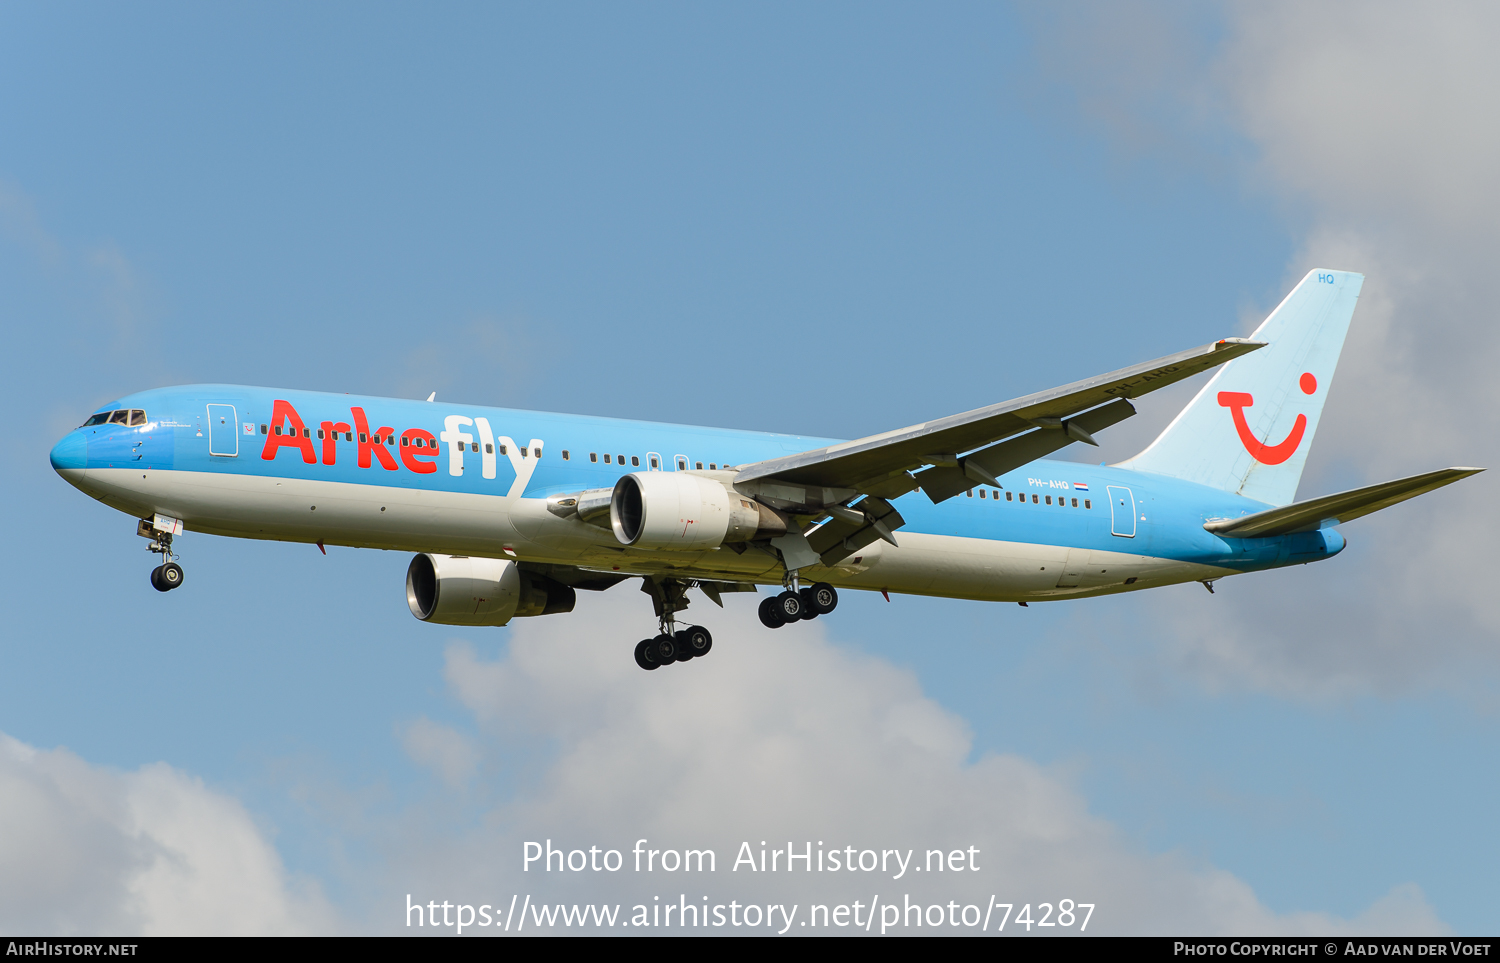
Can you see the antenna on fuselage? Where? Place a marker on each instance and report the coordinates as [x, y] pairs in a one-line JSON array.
[[432, 397]]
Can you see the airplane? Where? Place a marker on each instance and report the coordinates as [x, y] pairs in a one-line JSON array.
[[511, 513]]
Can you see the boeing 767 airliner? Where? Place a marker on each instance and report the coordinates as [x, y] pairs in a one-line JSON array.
[[511, 512]]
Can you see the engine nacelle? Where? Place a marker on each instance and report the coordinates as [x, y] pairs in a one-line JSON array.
[[686, 512], [467, 590]]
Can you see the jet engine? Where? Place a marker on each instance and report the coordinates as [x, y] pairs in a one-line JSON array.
[[466, 590], [683, 511]]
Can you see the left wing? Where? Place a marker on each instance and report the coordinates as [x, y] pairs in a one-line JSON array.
[[881, 465]]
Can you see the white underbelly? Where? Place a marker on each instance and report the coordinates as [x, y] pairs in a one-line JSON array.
[[373, 516]]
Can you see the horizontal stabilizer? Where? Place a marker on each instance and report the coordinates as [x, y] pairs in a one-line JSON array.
[[1335, 509]]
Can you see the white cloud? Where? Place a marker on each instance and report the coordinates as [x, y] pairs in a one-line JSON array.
[[86, 850], [785, 737], [442, 749]]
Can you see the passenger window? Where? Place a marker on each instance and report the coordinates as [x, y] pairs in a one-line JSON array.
[[1007, 496], [635, 461], [593, 456], [970, 493], [320, 432], [981, 493], [502, 449], [681, 465], [1075, 503], [698, 465], [137, 417], [1087, 503], [363, 438], [262, 429], [119, 417], [489, 449], [620, 459], [654, 462], [524, 453], [712, 467], [1049, 499], [606, 458], [566, 456], [1034, 500], [405, 442]]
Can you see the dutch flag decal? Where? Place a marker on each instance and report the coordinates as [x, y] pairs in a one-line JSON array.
[[1080, 487]]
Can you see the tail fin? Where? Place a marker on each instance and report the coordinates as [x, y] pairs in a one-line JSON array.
[[1249, 430]]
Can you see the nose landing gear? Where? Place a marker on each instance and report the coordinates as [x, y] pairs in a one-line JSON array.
[[168, 575]]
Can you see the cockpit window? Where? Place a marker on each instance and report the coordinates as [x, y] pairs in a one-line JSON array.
[[124, 416]]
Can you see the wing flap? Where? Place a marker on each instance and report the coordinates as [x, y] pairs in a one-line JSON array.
[[940, 483], [1335, 509], [840, 537]]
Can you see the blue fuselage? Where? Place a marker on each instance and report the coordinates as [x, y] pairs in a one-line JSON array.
[[442, 477]]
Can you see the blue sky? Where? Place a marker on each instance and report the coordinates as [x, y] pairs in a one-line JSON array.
[[831, 221]]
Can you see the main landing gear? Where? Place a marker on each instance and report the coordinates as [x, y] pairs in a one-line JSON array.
[[168, 575], [669, 647], [797, 605], [671, 644]]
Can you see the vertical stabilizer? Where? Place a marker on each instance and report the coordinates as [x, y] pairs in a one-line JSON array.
[[1249, 430]]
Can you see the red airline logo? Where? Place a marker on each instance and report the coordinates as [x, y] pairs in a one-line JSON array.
[[1238, 401], [288, 431]]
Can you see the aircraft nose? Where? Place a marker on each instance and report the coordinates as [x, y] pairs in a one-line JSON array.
[[72, 453]]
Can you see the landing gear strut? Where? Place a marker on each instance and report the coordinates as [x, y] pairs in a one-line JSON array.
[[671, 644], [168, 575]]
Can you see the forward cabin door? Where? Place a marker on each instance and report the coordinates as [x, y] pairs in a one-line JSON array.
[[223, 431], [1121, 512]]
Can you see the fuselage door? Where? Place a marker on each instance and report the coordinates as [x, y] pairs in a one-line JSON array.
[[223, 431], [1121, 512]]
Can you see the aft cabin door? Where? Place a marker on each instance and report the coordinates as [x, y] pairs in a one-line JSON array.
[[223, 431], [1121, 512]]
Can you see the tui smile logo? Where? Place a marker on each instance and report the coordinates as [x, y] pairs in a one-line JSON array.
[[1267, 454]]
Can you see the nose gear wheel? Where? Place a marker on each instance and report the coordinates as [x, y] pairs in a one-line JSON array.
[[168, 575]]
